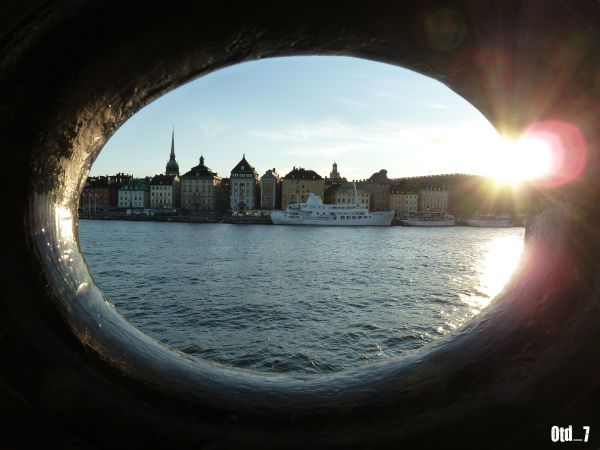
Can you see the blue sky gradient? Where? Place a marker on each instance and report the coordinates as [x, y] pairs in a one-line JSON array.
[[307, 112]]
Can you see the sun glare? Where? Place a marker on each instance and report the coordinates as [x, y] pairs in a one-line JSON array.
[[549, 153], [528, 158]]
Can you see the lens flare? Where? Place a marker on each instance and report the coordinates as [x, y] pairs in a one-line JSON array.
[[445, 29], [565, 151]]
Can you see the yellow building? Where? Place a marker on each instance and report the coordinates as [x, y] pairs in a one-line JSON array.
[[403, 203], [297, 184]]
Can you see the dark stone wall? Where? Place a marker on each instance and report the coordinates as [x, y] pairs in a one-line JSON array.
[[74, 374]]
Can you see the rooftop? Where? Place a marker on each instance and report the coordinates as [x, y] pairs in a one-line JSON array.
[[303, 174]]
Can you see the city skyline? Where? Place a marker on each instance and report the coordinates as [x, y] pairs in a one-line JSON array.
[[308, 112]]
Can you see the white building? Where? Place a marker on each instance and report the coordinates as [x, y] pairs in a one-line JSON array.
[[244, 183], [135, 194], [165, 192]]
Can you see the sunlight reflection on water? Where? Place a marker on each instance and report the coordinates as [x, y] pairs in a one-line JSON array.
[[500, 259]]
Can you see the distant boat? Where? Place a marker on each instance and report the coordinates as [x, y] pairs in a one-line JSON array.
[[491, 221], [428, 219], [315, 212]]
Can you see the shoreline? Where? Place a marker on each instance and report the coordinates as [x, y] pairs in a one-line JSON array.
[[181, 218], [241, 220]]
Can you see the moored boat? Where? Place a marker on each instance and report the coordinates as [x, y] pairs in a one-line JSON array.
[[491, 221], [315, 212], [429, 219]]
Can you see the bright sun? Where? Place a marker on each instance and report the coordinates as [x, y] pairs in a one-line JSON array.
[[525, 159], [549, 153]]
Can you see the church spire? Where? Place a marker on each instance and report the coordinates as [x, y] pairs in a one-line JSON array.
[[172, 166], [173, 144]]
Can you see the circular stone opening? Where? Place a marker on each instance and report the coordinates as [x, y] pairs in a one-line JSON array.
[[524, 360], [168, 244]]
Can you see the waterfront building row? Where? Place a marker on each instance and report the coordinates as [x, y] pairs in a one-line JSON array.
[[201, 190]]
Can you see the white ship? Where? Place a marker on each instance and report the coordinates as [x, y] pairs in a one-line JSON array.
[[315, 212], [491, 221], [429, 220]]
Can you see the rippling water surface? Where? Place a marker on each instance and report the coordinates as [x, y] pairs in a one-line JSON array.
[[297, 299]]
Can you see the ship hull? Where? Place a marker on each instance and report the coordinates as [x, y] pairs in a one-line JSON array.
[[375, 219], [428, 223], [501, 223]]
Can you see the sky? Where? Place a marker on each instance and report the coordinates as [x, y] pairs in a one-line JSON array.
[[308, 112]]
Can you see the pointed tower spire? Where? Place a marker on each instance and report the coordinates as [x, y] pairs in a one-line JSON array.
[[173, 143], [172, 166]]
